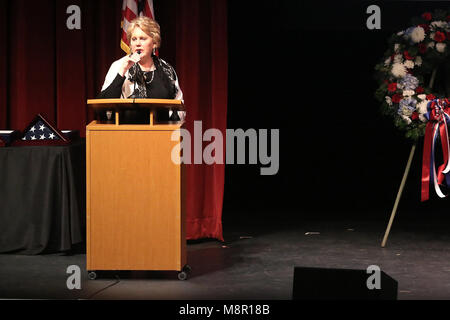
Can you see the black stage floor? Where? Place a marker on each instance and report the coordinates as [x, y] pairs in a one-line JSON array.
[[255, 263]]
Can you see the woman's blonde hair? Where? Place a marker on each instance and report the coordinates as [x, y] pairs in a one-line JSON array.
[[149, 26]]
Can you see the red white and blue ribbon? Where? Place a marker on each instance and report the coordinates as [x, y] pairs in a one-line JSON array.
[[436, 129]]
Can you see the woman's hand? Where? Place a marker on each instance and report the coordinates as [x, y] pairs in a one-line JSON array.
[[128, 63]]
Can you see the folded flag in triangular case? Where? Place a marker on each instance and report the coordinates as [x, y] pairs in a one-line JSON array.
[[40, 132]]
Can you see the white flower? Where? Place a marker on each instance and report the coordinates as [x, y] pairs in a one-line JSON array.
[[400, 33], [406, 118], [418, 35], [409, 64], [408, 93], [422, 96], [422, 107], [405, 112], [406, 107], [440, 47], [398, 70], [438, 24], [388, 100], [387, 62], [398, 58], [430, 45], [396, 47], [418, 61]]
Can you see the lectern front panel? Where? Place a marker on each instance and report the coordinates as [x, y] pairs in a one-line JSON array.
[[134, 195]]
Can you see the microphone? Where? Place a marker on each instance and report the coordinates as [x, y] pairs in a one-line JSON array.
[[138, 75], [136, 56]]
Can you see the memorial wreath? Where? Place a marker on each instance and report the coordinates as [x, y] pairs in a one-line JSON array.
[[408, 68], [406, 75]]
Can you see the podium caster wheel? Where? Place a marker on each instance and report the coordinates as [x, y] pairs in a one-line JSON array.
[[182, 275], [92, 275], [187, 268]]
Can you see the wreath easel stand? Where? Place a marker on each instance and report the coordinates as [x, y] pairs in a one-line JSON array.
[[405, 176]]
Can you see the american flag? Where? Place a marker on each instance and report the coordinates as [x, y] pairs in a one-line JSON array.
[[132, 9], [39, 129]]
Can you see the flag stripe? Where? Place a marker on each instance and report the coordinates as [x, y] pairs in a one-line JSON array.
[[149, 9], [126, 24], [133, 6], [130, 12]]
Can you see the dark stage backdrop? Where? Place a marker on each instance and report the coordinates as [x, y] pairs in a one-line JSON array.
[[48, 69], [307, 68]]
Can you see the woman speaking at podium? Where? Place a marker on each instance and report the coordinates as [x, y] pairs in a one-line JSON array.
[[142, 74]]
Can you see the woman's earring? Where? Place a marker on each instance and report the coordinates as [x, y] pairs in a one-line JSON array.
[[154, 52]]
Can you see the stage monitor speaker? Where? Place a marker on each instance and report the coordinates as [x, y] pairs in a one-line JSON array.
[[342, 284]]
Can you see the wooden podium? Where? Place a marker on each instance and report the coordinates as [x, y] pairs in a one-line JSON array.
[[135, 197]]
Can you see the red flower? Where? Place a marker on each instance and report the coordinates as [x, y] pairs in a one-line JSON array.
[[396, 98], [415, 115], [422, 48], [439, 36], [430, 97], [392, 87], [419, 90], [427, 16], [425, 27], [407, 56]]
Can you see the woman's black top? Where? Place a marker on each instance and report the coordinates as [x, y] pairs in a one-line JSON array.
[[155, 84]]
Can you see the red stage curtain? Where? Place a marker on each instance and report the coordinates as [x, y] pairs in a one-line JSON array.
[[201, 39], [47, 68], [31, 60], [70, 77], [50, 69], [3, 65]]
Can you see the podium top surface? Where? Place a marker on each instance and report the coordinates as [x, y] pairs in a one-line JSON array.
[[171, 126], [135, 103]]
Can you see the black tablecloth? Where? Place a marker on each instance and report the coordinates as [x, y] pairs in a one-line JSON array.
[[42, 198]]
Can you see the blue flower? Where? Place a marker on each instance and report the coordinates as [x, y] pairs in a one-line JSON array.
[[409, 31], [409, 82], [407, 106]]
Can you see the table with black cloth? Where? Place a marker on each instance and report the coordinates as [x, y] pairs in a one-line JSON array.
[[42, 198]]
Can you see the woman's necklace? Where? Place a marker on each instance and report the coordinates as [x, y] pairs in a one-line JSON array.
[[146, 76]]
